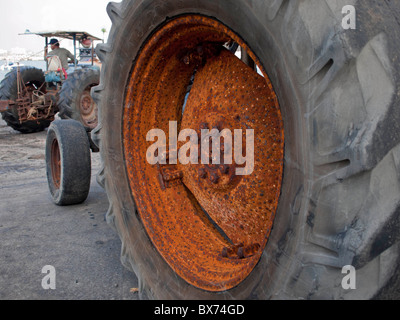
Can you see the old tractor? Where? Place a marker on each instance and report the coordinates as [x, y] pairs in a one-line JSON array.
[[30, 98]]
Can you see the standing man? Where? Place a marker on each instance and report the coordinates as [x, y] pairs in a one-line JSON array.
[[62, 53]]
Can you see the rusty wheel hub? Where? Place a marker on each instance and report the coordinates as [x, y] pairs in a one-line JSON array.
[[88, 110], [209, 224], [55, 164]]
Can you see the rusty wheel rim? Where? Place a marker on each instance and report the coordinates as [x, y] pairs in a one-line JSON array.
[[55, 164], [87, 108], [209, 225]]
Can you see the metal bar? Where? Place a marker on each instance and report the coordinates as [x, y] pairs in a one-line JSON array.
[[92, 53], [19, 82], [247, 59], [75, 48], [46, 52]]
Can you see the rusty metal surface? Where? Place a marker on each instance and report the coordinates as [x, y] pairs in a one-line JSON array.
[[208, 224], [88, 110], [55, 164], [34, 105], [235, 97], [5, 105]]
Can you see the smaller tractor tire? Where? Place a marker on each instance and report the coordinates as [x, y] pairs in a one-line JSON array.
[[32, 77], [75, 101], [68, 162]]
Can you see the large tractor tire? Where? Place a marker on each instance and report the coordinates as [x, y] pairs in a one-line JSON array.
[[68, 162], [325, 191], [75, 101], [9, 91]]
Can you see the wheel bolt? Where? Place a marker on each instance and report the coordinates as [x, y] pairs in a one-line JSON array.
[[224, 169], [202, 173], [204, 126], [214, 178], [186, 60]]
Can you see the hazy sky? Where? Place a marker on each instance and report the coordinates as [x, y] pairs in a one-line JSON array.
[[44, 15]]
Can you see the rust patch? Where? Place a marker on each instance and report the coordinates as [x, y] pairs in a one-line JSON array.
[[194, 214], [88, 110], [6, 105], [32, 104]]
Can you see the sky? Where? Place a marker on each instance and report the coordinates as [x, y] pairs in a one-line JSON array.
[[44, 15]]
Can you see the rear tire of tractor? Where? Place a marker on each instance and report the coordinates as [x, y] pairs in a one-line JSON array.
[[337, 89], [75, 101], [9, 91], [68, 162]]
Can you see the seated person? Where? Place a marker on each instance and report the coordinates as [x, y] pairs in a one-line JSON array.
[[62, 53]]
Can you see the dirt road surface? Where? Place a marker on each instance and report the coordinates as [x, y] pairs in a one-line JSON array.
[[34, 233]]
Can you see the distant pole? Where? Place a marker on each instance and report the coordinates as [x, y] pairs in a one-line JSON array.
[[104, 31], [46, 49], [75, 49], [92, 52]]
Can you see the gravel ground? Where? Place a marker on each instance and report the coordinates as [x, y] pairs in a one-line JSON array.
[[35, 233]]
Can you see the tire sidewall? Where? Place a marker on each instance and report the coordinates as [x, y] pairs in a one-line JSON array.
[[73, 88], [54, 191], [75, 159], [8, 91]]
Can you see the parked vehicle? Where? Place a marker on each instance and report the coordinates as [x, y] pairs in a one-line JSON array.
[[30, 98]]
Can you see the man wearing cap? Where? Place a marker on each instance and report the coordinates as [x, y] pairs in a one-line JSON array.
[[62, 53]]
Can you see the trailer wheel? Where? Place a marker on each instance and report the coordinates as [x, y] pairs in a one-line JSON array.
[[32, 77], [68, 162], [75, 101], [325, 190]]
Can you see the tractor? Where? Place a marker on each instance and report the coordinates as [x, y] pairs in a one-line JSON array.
[[323, 103], [31, 98]]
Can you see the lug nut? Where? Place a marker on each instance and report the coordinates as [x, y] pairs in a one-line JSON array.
[[200, 50], [202, 173], [214, 178], [186, 60], [224, 169], [173, 175], [204, 126]]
